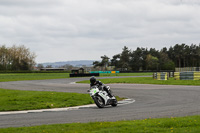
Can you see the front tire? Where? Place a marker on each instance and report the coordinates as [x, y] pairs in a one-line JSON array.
[[114, 104], [99, 101]]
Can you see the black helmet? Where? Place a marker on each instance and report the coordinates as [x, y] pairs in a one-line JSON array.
[[92, 80]]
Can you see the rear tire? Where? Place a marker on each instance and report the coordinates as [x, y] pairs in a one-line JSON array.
[[99, 101]]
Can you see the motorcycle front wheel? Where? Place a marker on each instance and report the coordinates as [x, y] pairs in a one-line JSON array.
[[99, 101], [114, 104]]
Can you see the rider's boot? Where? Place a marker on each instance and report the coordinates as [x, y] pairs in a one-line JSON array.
[[108, 91], [110, 94]]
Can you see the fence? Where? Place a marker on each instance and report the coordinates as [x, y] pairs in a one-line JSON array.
[[104, 71]]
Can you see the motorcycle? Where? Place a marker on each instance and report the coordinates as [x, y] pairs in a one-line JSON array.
[[101, 97]]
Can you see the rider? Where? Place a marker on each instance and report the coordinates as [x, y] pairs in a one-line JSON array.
[[99, 84]]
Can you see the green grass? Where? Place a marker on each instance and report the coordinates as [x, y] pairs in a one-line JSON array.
[[15, 100], [31, 76], [5, 77], [163, 125], [147, 80]]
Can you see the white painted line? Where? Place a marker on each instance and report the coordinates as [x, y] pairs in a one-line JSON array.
[[46, 110], [72, 83], [126, 101]]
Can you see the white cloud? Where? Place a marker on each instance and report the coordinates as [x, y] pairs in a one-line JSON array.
[[87, 29]]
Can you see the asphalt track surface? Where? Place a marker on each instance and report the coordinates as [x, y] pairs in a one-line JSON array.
[[151, 101]]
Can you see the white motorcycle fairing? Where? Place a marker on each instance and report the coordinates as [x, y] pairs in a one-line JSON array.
[[101, 97]]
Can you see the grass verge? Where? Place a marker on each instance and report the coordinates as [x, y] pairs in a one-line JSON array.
[[148, 80], [5, 77], [15, 100], [164, 125]]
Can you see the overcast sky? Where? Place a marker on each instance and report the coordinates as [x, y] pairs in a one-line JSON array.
[[65, 30]]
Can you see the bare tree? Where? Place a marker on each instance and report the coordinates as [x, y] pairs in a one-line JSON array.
[[16, 58]]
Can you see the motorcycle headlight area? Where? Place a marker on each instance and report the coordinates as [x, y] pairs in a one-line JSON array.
[[93, 91]]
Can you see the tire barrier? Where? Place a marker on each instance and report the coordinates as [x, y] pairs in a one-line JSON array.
[[187, 75], [187, 69], [196, 75], [161, 76]]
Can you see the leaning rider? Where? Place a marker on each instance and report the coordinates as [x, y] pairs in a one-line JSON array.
[[99, 84]]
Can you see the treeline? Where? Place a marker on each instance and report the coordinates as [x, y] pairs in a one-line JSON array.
[[16, 58], [179, 55]]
